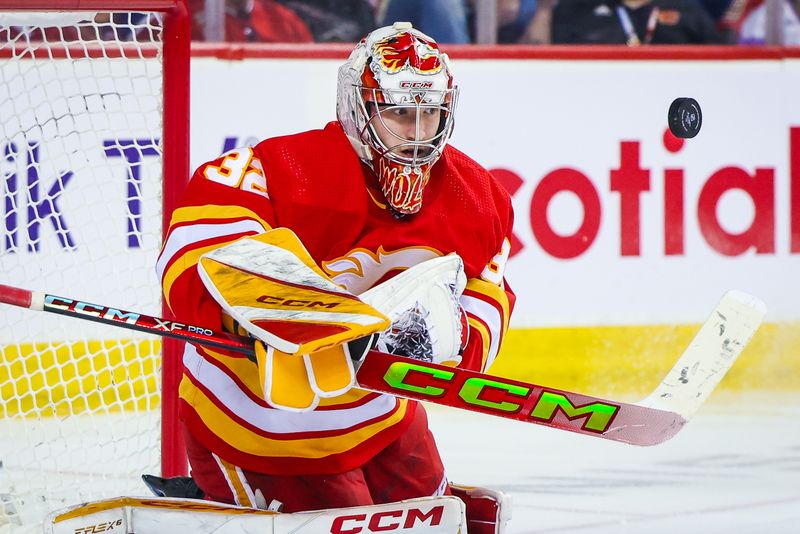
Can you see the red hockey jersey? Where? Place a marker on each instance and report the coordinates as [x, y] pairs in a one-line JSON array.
[[314, 183]]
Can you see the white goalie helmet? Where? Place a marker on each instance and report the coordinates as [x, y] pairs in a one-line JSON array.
[[395, 102]]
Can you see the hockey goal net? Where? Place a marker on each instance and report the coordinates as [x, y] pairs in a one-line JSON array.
[[94, 117]]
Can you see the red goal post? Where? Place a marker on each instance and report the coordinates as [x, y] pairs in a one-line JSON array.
[[43, 192]]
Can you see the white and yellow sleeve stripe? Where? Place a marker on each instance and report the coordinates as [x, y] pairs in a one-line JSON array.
[[488, 312]]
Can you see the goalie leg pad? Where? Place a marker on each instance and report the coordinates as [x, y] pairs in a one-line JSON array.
[[430, 515], [488, 511]]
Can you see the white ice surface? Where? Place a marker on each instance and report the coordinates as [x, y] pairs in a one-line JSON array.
[[734, 468]]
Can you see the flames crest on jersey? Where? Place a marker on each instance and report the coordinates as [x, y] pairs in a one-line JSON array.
[[402, 50], [360, 269]]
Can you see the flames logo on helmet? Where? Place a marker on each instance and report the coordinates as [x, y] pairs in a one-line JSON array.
[[397, 52]]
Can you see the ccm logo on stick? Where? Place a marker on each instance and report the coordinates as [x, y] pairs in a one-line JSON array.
[[498, 396], [388, 520], [92, 310]]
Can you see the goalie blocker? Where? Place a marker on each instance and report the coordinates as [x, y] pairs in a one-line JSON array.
[[308, 325]]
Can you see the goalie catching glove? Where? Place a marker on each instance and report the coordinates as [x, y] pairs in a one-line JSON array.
[[313, 330], [422, 303]]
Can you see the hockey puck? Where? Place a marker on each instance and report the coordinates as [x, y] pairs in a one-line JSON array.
[[685, 118]]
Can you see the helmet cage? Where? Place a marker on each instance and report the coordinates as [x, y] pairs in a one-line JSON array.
[[374, 103]]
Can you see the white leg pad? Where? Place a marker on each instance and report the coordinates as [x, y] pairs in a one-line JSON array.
[[428, 515]]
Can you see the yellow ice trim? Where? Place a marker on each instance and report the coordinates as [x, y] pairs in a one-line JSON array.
[[632, 360]]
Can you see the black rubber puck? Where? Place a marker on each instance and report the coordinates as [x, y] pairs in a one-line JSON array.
[[685, 118]]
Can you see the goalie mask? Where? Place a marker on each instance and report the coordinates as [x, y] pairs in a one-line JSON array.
[[395, 102]]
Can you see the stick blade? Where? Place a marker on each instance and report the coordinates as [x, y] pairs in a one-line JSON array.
[[710, 355]]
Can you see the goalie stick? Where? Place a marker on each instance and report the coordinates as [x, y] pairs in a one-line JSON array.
[[654, 420]]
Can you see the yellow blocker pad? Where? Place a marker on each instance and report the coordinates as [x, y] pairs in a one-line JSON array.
[[270, 284]]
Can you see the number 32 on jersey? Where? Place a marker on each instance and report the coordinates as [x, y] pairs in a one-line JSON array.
[[239, 168]]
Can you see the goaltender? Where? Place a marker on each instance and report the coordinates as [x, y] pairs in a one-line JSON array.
[[368, 196]]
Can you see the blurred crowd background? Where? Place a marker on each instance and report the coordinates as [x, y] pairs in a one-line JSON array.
[[539, 22]]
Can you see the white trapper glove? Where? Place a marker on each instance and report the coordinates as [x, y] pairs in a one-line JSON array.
[[427, 320]]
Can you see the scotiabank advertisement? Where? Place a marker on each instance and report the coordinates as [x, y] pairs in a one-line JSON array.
[[623, 232], [617, 221]]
